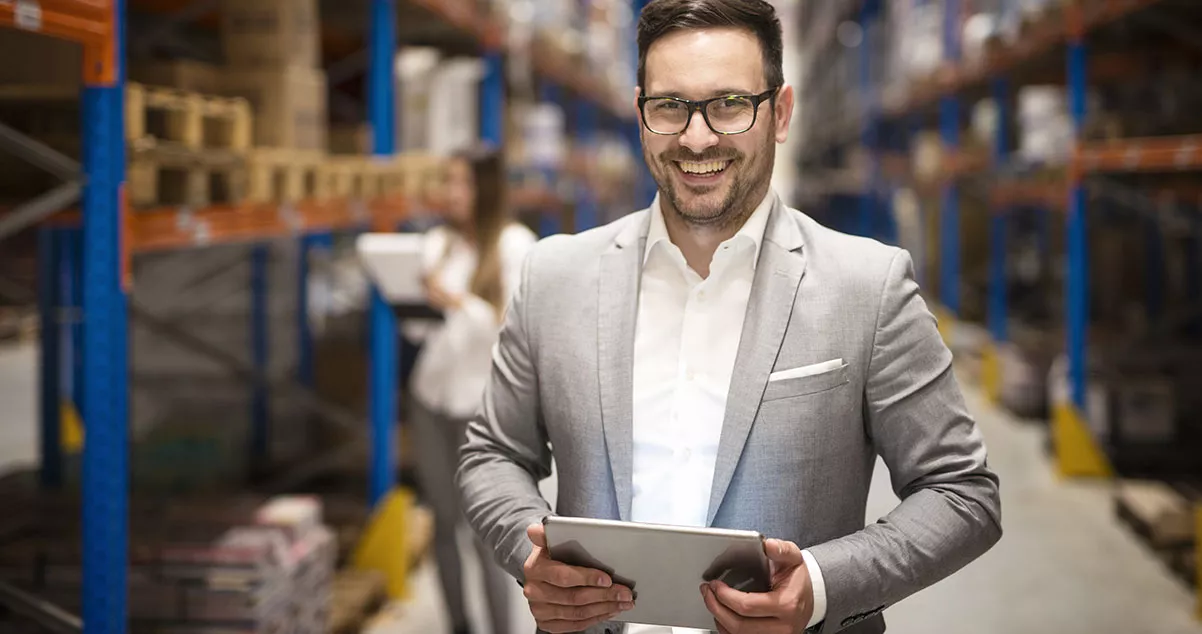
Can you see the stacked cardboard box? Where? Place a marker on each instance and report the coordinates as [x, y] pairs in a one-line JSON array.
[[272, 51]]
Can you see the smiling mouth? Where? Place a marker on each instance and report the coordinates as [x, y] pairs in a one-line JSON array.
[[703, 169]]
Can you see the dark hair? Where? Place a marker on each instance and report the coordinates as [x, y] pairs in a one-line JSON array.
[[662, 17]]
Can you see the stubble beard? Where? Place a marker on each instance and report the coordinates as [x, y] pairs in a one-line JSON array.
[[749, 185]]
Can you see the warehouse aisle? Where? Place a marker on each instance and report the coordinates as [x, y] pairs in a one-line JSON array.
[[1064, 565]]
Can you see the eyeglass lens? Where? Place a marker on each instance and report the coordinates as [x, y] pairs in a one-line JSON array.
[[731, 115]]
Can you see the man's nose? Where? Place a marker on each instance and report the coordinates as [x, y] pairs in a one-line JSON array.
[[698, 136]]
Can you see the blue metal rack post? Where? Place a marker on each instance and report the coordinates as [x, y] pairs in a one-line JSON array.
[[549, 219], [869, 201], [304, 329], [49, 309], [260, 415], [586, 200], [384, 348], [1154, 267], [1077, 451], [105, 354], [492, 101], [949, 120], [998, 228]]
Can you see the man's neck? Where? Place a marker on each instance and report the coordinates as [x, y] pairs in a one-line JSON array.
[[699, 243]]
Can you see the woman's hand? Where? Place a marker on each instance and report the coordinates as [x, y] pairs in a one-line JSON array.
[[439, 297]]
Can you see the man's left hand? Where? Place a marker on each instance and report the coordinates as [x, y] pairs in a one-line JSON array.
[[786, 609]]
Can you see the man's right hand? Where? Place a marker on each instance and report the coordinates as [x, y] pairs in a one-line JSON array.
[[566, 598]]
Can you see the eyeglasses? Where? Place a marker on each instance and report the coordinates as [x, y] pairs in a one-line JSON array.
[[729, 114]]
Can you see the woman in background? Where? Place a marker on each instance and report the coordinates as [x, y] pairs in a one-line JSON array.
[[472, 266]]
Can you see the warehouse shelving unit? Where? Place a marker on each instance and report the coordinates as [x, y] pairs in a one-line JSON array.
[[1067, 46], [85, 273]]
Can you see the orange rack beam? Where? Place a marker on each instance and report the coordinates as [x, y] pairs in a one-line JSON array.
[[88, 22], [174, 228], [1153, 154]]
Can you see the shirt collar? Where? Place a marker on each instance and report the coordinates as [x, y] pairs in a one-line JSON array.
[[752, 230]]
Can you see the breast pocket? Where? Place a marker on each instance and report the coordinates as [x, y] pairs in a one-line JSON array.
[[801, 386]]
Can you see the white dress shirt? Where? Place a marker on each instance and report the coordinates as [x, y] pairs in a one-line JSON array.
[[686, 339], [456, 356]]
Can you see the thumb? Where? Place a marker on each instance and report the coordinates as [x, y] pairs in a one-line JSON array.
[[537, 535], [783, 552]]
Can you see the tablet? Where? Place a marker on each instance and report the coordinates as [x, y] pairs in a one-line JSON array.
[[664, 565], [393, 262]]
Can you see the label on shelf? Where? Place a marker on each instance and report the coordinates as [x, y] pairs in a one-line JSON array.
[[28, 15]]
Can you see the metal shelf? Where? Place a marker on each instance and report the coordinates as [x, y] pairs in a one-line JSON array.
[[1155, 154], [1040, 43]]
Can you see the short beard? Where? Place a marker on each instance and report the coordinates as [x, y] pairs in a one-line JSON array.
[[751, 180]]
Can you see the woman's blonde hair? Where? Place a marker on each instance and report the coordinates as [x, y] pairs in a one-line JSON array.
[[490, 217]]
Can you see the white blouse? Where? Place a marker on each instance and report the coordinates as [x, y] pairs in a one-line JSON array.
[[456, 357]]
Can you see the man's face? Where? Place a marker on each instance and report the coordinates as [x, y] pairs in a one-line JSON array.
[[707, 179]]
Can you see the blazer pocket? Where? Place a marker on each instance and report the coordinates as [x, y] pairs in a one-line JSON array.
[[803, 385]]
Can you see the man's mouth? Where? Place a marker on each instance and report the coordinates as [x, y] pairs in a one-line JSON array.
[[703, 168]]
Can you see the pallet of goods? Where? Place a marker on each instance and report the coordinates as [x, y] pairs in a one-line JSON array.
[[191, 571], [1164, 518]]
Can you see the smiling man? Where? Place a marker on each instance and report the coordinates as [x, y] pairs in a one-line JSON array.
[[722, 360]]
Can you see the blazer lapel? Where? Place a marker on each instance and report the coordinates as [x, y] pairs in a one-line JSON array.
[[617, 311], [778, 275]]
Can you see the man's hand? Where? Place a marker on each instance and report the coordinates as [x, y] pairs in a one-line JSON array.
[[566, 598], [786, 609]]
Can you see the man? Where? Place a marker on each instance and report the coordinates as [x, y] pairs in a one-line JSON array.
[[722, 360]]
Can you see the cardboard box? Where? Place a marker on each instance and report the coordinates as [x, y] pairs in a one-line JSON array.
[[183, 74], [289, 104], [270, 33]]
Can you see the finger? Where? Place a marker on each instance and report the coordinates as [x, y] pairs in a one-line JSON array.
[[537, 535], [783, 552], [551, 612], [546, 593], [748, 605], [565, 576], [724, 618], [565, 627]]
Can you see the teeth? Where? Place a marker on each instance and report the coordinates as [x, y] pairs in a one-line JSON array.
[[703, 168]]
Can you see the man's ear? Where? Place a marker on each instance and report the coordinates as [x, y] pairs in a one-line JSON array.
[[638, 112], [782, 115]]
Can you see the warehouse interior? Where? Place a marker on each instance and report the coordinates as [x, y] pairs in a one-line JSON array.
[[205, 400]]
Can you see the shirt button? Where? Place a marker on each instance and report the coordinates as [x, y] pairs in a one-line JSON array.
[[690, 375], [701, 296]]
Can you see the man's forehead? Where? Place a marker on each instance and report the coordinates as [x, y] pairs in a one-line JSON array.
[[704, 61]]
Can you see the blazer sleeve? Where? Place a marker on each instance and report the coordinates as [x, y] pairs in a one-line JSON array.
[[916, 417], [507, 452]]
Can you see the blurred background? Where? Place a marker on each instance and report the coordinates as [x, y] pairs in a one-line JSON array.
[[205, 406]]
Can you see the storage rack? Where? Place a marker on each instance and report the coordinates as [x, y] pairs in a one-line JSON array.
[[1059, 48], [84, 256]]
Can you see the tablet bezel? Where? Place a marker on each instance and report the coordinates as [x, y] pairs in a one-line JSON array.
[[570, 540]]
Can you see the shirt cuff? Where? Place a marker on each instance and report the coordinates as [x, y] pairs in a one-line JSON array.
[[819, 586]]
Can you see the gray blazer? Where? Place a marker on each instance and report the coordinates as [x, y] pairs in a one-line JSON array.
[[795, 457]]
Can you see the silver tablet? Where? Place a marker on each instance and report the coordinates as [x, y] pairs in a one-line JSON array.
[[664, 565]]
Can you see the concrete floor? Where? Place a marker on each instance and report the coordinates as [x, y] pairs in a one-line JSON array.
[[1064, 566]]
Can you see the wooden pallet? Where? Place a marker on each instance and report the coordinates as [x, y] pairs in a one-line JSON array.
[[281, 175], [165, 177], [357, 595], [165, 116], [1163, 517]]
